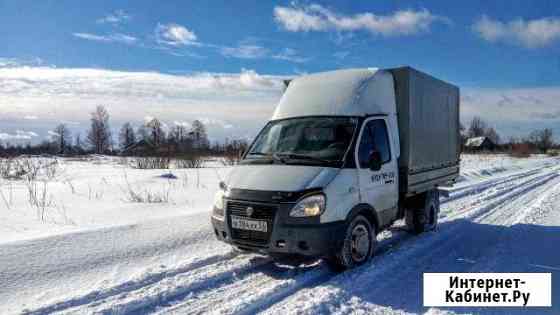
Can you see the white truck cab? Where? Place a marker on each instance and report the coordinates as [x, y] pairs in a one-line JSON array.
[[345, 154]]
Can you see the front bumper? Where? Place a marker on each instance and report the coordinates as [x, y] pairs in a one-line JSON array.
[[290, 236]]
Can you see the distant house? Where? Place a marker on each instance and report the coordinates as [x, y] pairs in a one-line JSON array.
[[479, 144]]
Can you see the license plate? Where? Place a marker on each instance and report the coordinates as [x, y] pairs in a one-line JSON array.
[[245, 224]]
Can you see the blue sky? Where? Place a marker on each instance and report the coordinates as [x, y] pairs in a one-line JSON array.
[[60, 58]]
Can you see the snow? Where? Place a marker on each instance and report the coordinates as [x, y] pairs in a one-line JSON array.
[[98, 252], [481, 166], [96, 193]]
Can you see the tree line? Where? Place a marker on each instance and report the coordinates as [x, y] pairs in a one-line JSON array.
[[152, 139], [537, 141], [149, 139]]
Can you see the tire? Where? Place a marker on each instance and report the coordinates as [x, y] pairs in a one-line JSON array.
[[358, 246], [424, 216], [240, 251]]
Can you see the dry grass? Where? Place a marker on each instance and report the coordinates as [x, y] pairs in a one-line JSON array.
[[28, 168], [189, 161], [35, 174], [39, 197], [147, 163], [133, 194]]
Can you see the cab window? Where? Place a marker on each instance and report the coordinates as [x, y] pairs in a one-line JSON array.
[[374, 138]]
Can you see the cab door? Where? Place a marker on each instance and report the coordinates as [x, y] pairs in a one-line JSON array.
[[378, 188]]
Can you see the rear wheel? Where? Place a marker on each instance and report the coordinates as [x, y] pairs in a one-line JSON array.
[[423, 216], [358, 245]]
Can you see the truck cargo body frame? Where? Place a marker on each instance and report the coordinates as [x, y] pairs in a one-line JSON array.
[[427, 110]]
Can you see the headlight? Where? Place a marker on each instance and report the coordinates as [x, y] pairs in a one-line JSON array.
[[309, 207], [219, 202]]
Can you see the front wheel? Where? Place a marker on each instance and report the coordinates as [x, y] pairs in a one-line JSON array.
[[240, 251], [358, 246]]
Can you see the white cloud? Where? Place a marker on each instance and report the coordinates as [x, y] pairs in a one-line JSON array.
[[18, 135], [115, 18], [18, 62], [110, 38], [175, 35], [315, 17], [56, 95], [250, 78], [30, 117], [212, 122], [531, 33], [234, 104], [148, 119], [245, 51], [290, 54], [184, 124], [8, 62]]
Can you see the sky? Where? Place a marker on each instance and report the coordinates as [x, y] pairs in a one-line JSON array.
[[223, 62]]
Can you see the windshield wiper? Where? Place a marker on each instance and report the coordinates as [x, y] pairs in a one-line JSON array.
[[293, 156], [260, 153], [272, 156], [280, 157]]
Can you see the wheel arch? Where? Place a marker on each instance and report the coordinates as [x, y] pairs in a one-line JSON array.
[[367, 211]]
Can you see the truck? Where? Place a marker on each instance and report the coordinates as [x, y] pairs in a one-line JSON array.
[[345, 155]]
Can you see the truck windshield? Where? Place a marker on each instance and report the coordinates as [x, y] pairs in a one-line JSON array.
[[305, 140]]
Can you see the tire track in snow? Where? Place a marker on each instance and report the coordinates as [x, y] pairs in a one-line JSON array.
[[479, 187], [253, 293], [494, 194], [180, 285], [523, 207], [421, 251], [129, 286]]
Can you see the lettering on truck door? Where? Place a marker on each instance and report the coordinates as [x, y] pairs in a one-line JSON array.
[[377, 188]]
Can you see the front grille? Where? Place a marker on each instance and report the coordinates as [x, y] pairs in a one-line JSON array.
[[260, 212]]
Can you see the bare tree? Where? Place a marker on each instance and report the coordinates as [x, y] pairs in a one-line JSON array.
[[142, 133], [99, 135], [178, 134], [127, 137], [462, 134], [62, 137], [477, 127], [491, 134], [199, 135], [542, 139], [233, 150], [78, 142], [155, 132]]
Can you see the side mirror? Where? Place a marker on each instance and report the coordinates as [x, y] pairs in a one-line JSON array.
[[375, 161], [223, 186]]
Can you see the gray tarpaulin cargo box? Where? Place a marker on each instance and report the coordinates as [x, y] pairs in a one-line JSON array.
[[428, 118]]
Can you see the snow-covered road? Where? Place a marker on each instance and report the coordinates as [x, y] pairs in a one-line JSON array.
[[506, 223]]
